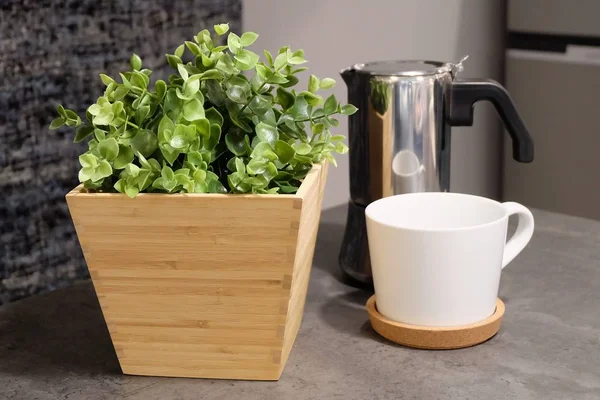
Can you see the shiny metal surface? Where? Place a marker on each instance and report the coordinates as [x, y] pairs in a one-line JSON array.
[[402, 68], [399, 138]]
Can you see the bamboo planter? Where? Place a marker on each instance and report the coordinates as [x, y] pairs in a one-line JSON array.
[[201, 285]]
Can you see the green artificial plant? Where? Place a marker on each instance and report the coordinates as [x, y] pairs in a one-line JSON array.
[[211, 128]]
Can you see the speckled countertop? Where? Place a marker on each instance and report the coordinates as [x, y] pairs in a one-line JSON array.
[[56, 346]]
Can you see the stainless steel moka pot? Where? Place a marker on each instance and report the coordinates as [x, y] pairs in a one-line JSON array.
[[400, 137]]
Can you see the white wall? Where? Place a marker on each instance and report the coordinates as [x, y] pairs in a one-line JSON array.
[[338, 33]]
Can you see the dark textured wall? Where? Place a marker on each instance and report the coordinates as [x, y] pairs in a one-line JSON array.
[[52, 52]]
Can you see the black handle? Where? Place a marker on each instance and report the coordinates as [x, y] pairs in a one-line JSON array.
[[463, 96]]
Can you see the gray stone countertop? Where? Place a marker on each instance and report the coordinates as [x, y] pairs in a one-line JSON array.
[[56, 346]]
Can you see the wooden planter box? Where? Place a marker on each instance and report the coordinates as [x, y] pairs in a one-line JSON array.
[[201, 285]]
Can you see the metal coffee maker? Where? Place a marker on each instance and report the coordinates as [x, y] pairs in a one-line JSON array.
[[400, 137]]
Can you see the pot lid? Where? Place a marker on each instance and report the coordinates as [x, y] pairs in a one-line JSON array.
[[406, 68]]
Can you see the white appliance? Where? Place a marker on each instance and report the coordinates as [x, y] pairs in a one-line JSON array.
[[553, 75]]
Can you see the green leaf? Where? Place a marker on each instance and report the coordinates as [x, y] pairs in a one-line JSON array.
[[193, 110], [278, 78], [169, 153], [234, 140], [141, 114], [237, 120], [215, 136], [311, 98], [107, 80], [85, 174], [303, 148], [161, 88], [83, 132], [99, 134], [125, 157], [194, 48], [288, 189], [131, 191], [254, 181], [199, 176], [191, 88], [260, 104], [318, 128], [290, 80], [108, 149], [214, 116], [260, 149], [284, 151], [238, 90], [248, 38], [167, 173], [182, 71], [234, 43], [284, 98], [327, 83], [269, 57], [313, 84], [221, 29], [341, 148], [102, 171], [298, 70], [132, 170], [280, 61], [211, 74], [296, 60], [88, 161], [330, 105], [104, 118], [182, 136], [61, 111], [144, 142], [179, 51], [136, 62], [120, 186], [194, 157], [300, 110], [57, 123], [240, 167], [267, 133], [270, 171], [165, 125], [246, 59], [172, 104], [257, 166], [126, 82], [215, 93], [226, 65], [348, 109], [203, 127], [173, 60]]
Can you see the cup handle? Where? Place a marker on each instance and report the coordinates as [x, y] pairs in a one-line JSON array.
[[522, 235]]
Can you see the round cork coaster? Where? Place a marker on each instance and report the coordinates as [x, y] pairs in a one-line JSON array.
[[435, 338]]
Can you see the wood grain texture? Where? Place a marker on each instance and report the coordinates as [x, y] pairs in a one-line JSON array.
[[201, 285], [435, 338]]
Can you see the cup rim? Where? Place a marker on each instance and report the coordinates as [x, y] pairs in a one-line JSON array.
[[371, 206]]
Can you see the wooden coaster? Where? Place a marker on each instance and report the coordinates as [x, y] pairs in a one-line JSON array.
[[435, 338]]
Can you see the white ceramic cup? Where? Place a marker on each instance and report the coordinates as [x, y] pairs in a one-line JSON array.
[[436, 257]]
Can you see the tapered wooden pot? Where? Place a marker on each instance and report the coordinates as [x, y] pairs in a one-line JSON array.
[[201, 285]]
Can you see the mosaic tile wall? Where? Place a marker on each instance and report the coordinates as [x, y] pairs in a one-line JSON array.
[[52, 52]]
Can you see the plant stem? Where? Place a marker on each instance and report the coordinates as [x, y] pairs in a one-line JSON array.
[[134, 125], [252, 98], [313, 119], [259, 89]]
